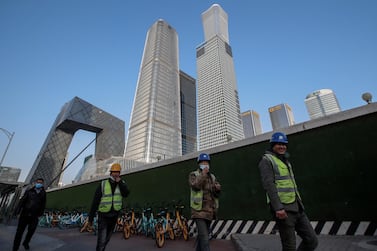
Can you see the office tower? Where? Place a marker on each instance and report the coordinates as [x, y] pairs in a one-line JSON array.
[[155, 127], [219, 116], [281, 116], [76, 115], [251, 123], [188, 113], [321, 103]]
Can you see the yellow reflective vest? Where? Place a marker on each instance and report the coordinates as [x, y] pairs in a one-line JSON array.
[[108, 199], [284, 180], [196, 198]]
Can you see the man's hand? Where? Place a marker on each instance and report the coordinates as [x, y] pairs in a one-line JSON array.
[[205, 171], [281, 214], [217, 186]]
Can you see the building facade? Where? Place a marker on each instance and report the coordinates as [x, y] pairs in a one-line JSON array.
[[76, 115], [9, 174], [321, 103], [188, 113], [251, 123], [281, 116], [155, 126], [219, 116]]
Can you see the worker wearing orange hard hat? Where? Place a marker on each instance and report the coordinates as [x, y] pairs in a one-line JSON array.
[[107, 203]]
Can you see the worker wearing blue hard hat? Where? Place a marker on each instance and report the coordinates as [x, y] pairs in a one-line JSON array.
[[283, 197]]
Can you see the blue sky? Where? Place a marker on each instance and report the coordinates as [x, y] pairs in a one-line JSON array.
[[52, 51]]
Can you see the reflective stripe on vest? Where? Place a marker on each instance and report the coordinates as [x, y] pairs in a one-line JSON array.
[[108, 199], [284, 180], [196, 198]]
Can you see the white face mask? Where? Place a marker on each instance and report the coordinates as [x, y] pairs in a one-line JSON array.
[[202, 167]]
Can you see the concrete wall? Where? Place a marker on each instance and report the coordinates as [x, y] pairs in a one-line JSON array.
[[334, 161]]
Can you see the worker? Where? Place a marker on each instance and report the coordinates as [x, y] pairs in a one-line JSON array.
[[283, 197], [205, 192], [107, 203]]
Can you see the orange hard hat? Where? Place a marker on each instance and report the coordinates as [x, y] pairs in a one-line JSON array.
[[115, 167]]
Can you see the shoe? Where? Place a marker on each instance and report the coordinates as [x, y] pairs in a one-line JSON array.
[[26, 246]]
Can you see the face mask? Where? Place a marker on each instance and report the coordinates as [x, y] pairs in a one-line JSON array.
[[202, 167], [38, 185]]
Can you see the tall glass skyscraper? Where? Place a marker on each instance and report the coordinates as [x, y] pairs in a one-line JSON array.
[[219, 116], [251, 123], [188, 113], [321, 103], [281, 116], [155, 127]]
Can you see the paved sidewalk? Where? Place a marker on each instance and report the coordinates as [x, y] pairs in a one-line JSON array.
[[257, 242], [57, 240]]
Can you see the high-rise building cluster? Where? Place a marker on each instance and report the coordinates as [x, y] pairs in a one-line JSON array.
[[174, 114], [166, 114]]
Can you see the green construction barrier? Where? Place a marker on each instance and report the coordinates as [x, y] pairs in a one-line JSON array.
[[334, 165]]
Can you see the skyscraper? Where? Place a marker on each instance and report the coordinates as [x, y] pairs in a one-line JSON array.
[[188, 113], [281, 116], [219, 117], [321, 103], [251, 123], [155, 127]]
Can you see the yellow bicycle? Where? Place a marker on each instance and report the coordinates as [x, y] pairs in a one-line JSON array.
[[180, 225], [164, 226], [129, 226]]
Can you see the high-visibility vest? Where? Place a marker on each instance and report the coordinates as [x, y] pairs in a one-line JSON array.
[[108, 199], [196, 198], [284, 180]]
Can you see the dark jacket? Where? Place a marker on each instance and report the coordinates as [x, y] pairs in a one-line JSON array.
[[98, 195], [268, 182], [32, 203]]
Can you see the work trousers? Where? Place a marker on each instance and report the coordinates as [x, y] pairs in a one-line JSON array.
[[297, 222], [25, 221], [106, 227], [202, 240]]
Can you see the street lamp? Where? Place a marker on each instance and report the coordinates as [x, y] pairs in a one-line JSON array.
[[10, 137], [367, 97]]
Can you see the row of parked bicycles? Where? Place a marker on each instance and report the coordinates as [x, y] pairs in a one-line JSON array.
[[161, 225], [62, 219]]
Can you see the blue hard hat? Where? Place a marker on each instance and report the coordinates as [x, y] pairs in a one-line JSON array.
[[203, 157], [279, 137]]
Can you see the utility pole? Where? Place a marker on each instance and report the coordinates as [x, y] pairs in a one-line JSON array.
[[10, 137]]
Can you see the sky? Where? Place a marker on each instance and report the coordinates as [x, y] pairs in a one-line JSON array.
[[52, 51]]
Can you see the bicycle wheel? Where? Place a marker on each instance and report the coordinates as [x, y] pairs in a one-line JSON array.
[[133, 229], [126, 230], [185, 230], [160, 237], [170, 231]]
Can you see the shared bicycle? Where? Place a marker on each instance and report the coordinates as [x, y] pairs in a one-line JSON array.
[[164, 227]]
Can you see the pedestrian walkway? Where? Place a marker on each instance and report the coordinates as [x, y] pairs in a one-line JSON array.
[[53, 239]]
